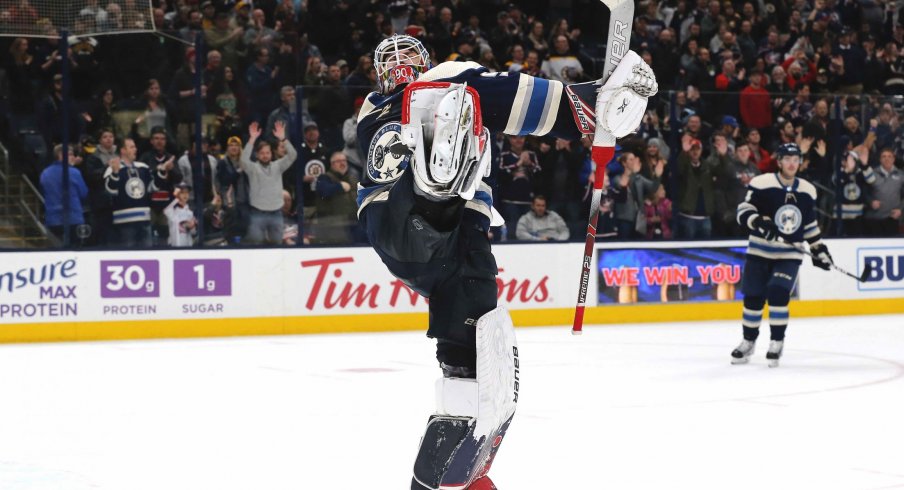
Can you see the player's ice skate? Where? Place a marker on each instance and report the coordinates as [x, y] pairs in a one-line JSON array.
[[742, 353], [775, 352]]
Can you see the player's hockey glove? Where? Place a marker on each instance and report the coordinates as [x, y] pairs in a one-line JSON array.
[[765, 227], [821, 256]]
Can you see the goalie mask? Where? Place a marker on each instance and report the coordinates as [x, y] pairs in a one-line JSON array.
[[399, 60], [441, 124]]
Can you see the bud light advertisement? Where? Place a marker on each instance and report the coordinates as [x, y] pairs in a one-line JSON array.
[[886, 266]]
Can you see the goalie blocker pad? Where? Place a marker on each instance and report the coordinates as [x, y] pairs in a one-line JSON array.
[[458, 448]]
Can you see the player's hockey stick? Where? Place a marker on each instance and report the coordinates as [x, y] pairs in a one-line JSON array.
[[867, 269], [621, 16]]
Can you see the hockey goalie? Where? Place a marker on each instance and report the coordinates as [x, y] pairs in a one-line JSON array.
[[427, 212]]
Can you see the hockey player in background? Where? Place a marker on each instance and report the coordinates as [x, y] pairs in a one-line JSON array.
[[427, 213], [780, 213]]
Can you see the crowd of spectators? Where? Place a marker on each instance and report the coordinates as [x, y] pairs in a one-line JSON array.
[[737, 78]]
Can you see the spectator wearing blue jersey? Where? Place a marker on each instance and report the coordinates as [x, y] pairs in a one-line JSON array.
[[854, 180], [131, 184], [52, 189]]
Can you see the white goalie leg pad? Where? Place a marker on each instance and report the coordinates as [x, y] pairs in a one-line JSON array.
[[456, 397], [498, 371], [491, 398], [445, 117], [622, 100], [472, 417]]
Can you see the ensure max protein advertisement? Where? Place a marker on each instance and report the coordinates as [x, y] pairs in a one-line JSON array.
[[669, 274]]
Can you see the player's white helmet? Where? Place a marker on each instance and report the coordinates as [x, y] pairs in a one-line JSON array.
[[399, 59]]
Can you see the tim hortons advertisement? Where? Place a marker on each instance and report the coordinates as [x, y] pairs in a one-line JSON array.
[[338, 281]]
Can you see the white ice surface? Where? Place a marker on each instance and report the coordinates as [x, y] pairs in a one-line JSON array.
[[621, 407]]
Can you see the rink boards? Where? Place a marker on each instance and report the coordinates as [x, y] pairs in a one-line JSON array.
[[54, 296]]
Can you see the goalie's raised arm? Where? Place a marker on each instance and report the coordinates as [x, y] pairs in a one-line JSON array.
[[519, 104]]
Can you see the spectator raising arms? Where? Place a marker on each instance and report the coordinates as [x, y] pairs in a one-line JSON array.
[[265, 182], [696, 201], [131, 183], [183, 227], [854, 180], [633, 187]]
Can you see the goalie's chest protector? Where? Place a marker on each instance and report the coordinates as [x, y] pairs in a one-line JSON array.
[[379, 128]]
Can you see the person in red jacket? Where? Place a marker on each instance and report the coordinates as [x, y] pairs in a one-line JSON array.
[[800, 69], [758, 154], [756, 111], [731, 79]]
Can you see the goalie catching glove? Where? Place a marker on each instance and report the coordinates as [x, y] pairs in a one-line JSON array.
[[821, 256], [622, 100]]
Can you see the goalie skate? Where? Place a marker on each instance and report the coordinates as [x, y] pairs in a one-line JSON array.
[[775, 352], [444, 119], [742, 353]]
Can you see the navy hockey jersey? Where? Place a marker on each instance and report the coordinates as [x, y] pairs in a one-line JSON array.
[[131, 189], [793, 210], [513, 103], [853, 191]]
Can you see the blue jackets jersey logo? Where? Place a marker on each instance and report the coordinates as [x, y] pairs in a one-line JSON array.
[[135, 188], [852, 191], [788, 219], [384, 166]]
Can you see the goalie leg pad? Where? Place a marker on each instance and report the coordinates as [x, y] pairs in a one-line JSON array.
[[446, 439], [473, 415], [450, 457], [498, 370]]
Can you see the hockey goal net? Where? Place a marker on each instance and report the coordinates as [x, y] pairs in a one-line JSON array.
[[47, 18]]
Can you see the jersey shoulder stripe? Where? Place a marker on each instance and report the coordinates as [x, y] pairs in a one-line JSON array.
[[368, 106], [770, 181], [807, 188], [765, 181], [449, 69]]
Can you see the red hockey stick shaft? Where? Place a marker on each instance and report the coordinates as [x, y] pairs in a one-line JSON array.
[[601, 156], [621, 15]]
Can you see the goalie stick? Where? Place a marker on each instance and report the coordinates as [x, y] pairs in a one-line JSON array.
[[621, 16]]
